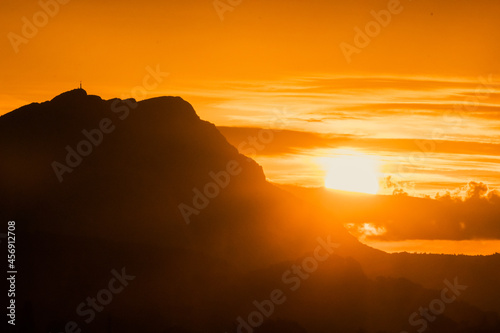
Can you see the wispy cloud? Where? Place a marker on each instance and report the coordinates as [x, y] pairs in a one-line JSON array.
[[382, 107]]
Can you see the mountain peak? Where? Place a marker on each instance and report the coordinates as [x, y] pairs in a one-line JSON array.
[[157, 136], [72, 95]]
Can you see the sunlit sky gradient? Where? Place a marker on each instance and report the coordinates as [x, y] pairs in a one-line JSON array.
[[423, 97]]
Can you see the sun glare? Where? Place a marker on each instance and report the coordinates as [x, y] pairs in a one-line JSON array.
[[352, 171]]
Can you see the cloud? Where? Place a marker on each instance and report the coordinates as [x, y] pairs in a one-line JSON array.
[[400, 192], [476, 190], [287, 141], [494, 197], [471, 191], [365, 230], [470, 212], [418, 108], [284, 141], [399, 187], [389, 183]]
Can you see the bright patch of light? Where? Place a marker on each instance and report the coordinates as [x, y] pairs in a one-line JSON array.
[[351, 171]]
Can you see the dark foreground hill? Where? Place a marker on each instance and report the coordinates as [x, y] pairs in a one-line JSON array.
[[140, 217]]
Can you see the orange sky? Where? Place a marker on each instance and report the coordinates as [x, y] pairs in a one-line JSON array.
[[269, 59], [108, 44]]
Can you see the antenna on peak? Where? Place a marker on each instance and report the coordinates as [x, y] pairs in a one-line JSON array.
[[81, 85]]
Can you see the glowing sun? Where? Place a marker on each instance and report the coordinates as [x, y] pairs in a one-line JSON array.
[[352, 171]]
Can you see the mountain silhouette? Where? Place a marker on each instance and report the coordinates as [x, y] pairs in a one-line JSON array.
[[148, 195]]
